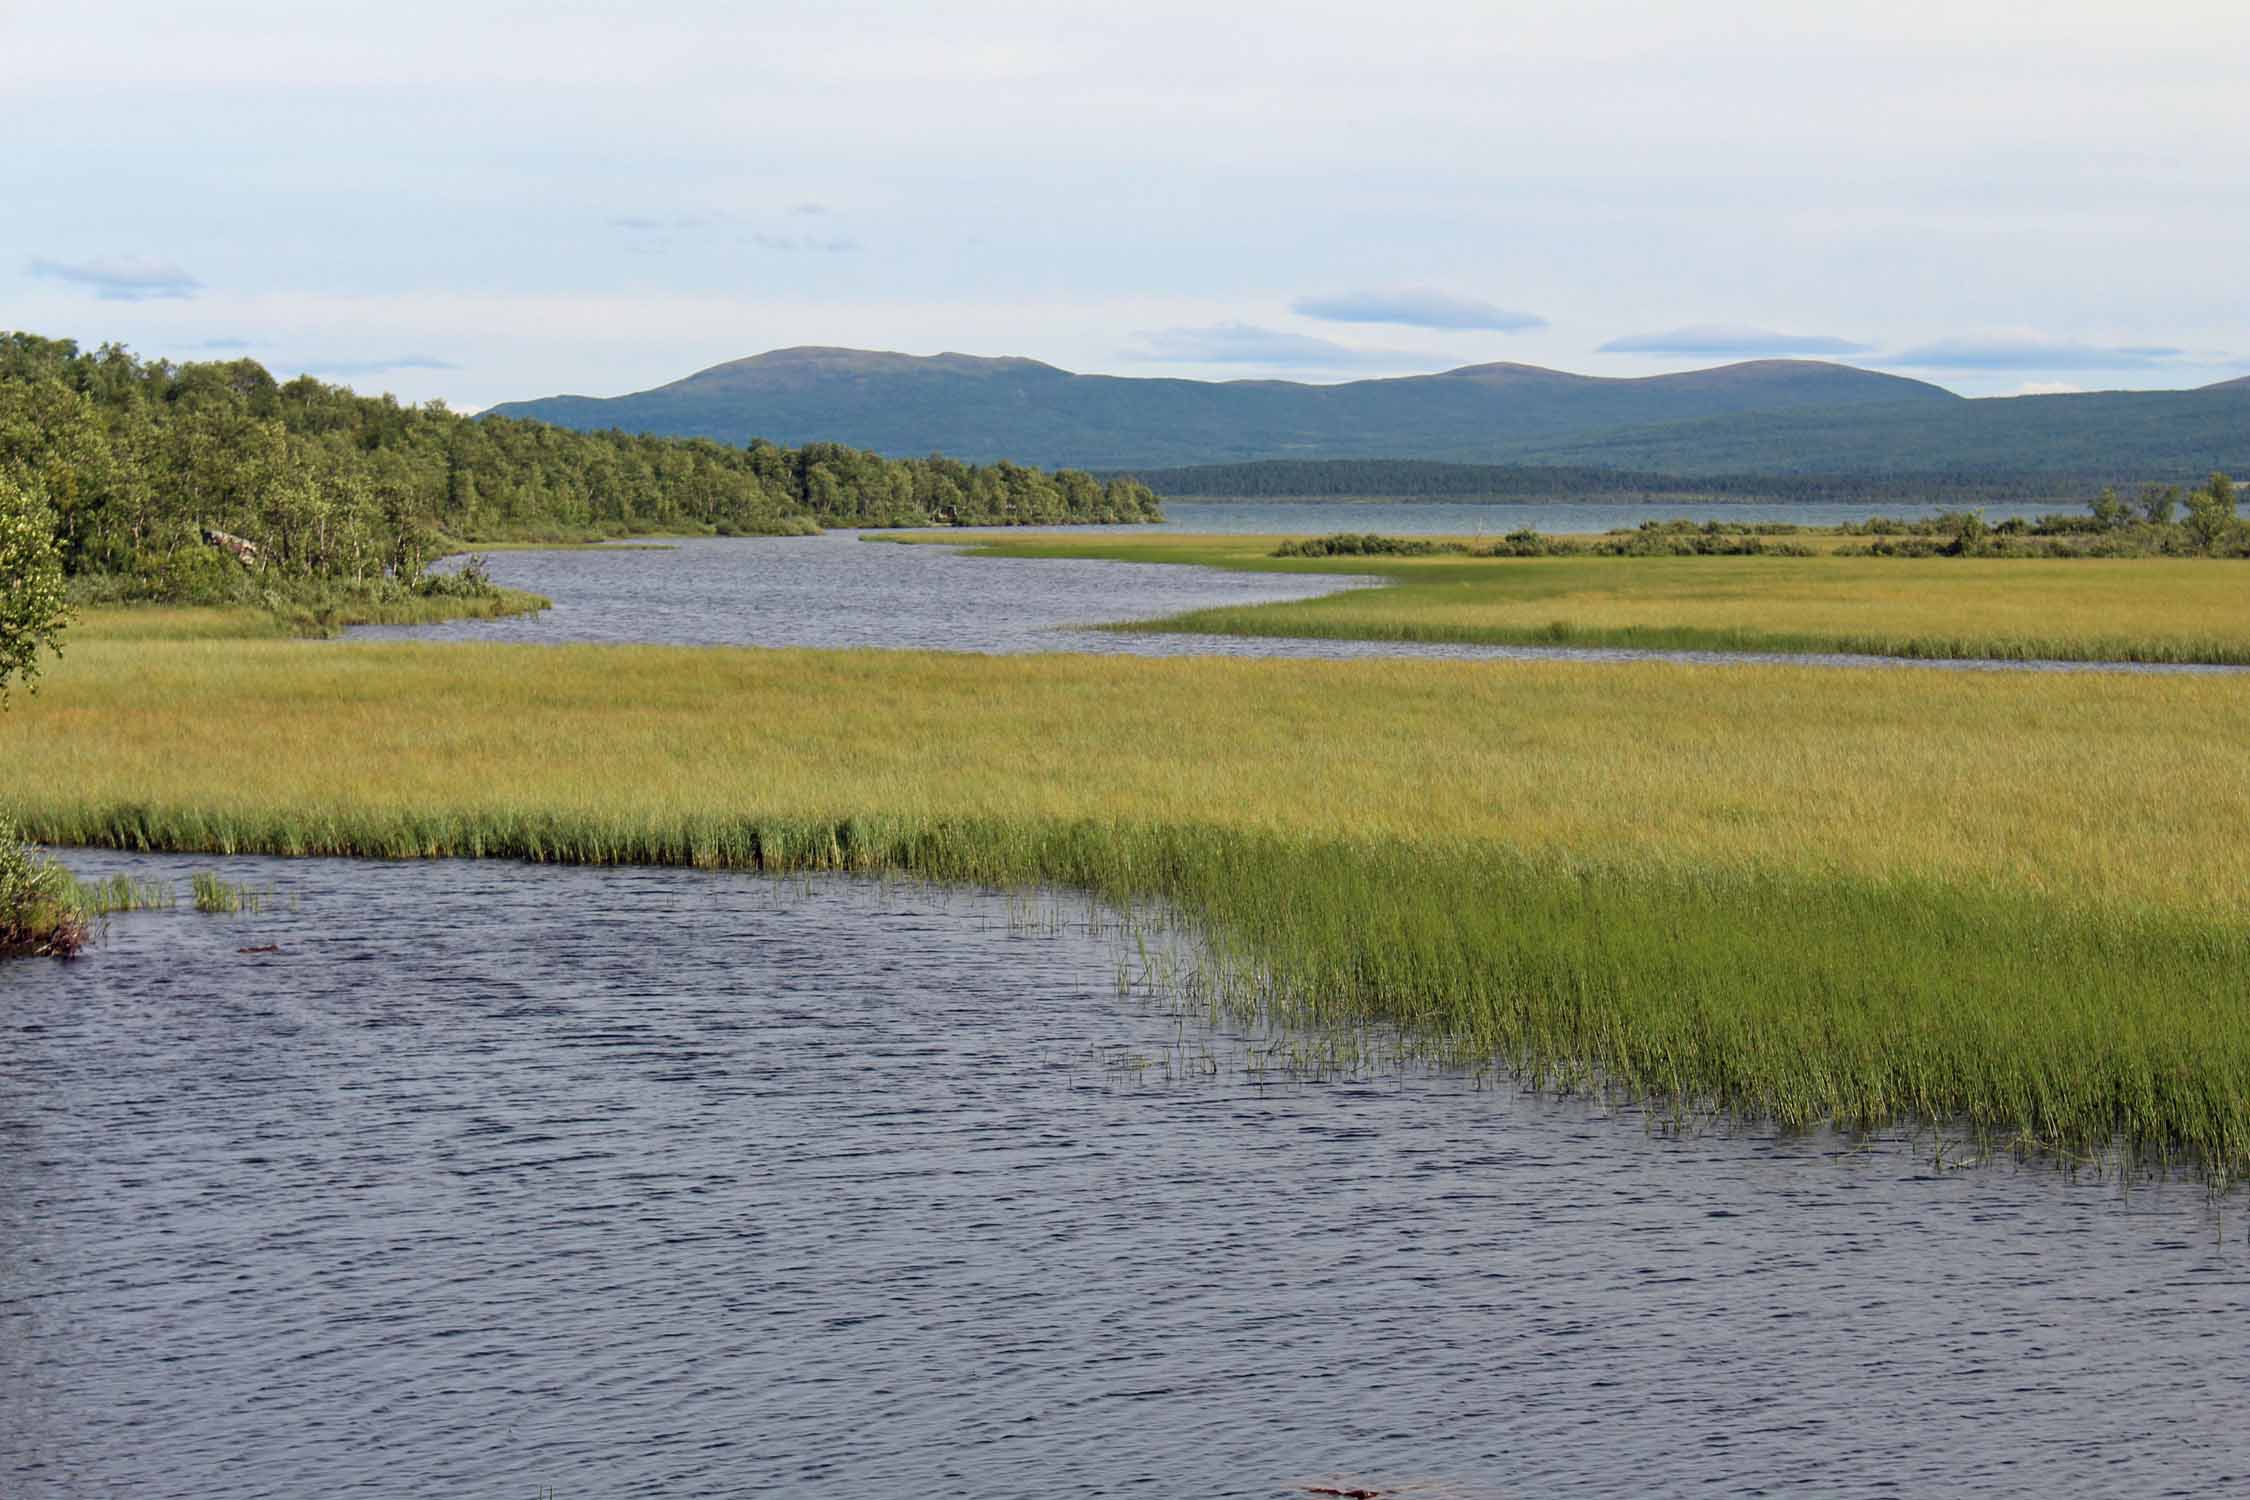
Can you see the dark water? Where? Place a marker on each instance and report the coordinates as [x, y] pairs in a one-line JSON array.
[[837, 590], [500, 1180]]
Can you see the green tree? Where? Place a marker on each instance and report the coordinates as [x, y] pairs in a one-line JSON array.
[[33, 604], [2211, 511]]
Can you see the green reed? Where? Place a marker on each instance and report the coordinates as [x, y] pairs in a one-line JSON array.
[[219, 897], [1802, 998]]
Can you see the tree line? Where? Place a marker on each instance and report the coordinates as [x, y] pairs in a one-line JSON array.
[[138, 462]]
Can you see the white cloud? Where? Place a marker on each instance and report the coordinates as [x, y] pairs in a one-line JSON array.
[[127, 278], [1272, 348], [2030, 352], [1416, 307], [1733, 340]]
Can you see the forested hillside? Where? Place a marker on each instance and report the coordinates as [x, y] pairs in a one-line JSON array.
[[2097, 437], [141, 460], [1020, 408], [1393, 478]]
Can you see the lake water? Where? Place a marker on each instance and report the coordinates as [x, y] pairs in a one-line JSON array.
[[508, 1180], [838, 590]]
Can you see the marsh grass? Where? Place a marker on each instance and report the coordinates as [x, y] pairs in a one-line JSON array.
[[123, 893], [2168, 610], [216, 896], [302, 615], [2015, 908]]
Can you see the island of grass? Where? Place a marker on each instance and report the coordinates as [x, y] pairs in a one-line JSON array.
[[2131, 592], [2015, 902]]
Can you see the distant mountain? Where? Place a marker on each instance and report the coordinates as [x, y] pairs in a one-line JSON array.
[[2109, 436], [984, 409], [1424, 479]]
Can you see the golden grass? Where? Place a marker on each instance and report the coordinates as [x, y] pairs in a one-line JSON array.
[[2122, 609], [2091, 787]]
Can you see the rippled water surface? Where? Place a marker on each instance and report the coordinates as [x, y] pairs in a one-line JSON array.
[[504, 1180], [837, 590]]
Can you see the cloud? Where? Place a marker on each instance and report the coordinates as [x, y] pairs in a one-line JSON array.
[[1246, 344], [832, 246], [808, 209], [2049, 388], [644, 224], [224, 344], [2012, 352], [127, 278], [1730, 338], [1415, 307], [376, 366]]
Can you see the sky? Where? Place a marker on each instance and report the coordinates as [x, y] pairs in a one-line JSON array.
[[487, 202]]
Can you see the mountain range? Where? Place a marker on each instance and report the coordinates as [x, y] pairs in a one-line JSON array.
[[1776, 416]]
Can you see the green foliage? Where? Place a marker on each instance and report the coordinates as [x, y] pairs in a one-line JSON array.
[[1356, 544], [2111, 528], [37, 915], [34, 605], [213, 483], [2210, 512], [1649, 539]]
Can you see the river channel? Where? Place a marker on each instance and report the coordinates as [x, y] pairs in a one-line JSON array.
[[839, 589], [458, 1179]]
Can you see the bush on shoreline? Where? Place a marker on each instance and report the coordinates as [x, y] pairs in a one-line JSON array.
[[1650, 539], [2163, 522], [39, 917]]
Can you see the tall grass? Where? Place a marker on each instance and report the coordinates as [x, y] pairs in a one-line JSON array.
[[216, 896], [1800, 895], [2157, 610]]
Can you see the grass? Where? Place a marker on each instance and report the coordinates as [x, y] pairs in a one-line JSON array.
[[197, 622], [2167, 610], [217, 897], [1806, 896]]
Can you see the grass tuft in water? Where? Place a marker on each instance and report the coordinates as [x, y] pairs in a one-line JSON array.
[[224, 898]]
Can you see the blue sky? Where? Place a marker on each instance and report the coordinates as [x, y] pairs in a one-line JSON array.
[[493, 201]]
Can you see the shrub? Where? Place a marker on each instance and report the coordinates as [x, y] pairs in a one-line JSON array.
[[37, 914]]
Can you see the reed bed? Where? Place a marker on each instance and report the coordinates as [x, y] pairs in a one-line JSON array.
[[2158, 610], [2020, 902]]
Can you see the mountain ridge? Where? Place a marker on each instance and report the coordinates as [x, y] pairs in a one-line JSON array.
[[982, 408]]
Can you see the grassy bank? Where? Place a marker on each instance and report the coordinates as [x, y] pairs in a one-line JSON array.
[[2012, 609], [2023, 902], [301, 615]]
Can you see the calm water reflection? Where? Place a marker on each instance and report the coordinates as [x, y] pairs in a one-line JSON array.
[[499, 1179]]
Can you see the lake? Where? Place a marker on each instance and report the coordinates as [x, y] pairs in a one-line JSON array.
[[510, 1180]]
